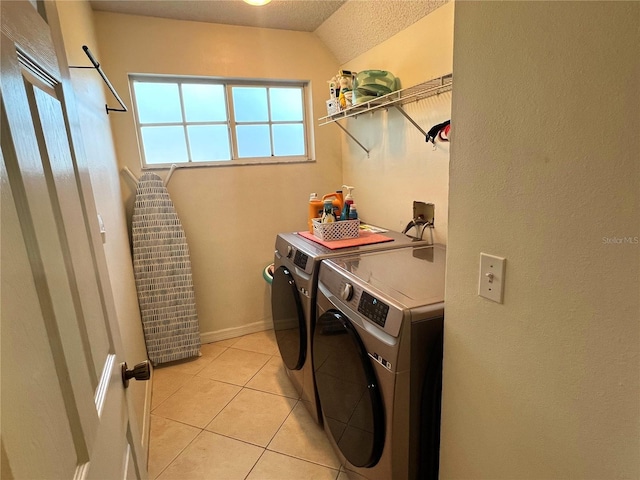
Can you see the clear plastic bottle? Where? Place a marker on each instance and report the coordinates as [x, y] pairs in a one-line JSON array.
[[327, 214], [348, 201], [353, 212], [336, 200]]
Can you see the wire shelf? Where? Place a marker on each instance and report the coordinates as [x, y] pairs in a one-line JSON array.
[[401, 97]]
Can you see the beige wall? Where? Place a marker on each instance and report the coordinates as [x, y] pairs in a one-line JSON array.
[[76, 19], [401, 167], [544, 169], [231, 215]]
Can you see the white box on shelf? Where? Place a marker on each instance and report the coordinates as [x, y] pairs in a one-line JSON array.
[[333, 106]]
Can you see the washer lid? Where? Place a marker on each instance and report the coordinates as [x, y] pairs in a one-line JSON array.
[[319, 252], [411, 276]]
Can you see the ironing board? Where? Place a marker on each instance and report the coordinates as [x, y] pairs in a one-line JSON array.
[[162, 270]]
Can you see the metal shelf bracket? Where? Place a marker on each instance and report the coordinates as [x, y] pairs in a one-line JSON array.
[[353, 138]]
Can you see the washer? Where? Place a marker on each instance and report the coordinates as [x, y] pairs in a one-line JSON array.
[[377, 357], [293, 298]]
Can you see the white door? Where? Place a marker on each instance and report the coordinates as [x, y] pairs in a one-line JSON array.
[[64, 407]]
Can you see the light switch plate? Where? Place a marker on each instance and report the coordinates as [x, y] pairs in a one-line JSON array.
[[491, 281]]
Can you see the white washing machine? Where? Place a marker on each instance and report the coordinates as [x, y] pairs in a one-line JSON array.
[[377, 357], [293, 299]]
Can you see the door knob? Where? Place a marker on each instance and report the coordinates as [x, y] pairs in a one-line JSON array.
[[141, 371]]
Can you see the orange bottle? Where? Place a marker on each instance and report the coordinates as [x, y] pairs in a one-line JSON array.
[[341, 199], [315, 210]]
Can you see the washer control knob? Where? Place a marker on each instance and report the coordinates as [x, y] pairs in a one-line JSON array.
[[289, 251], [347, 292]]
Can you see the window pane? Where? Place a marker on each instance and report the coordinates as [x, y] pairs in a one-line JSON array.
[[209, 143], [253, 141], [288, 139], [286, 104], [158, 102], [164, 144], [204, 103], [250, 104]]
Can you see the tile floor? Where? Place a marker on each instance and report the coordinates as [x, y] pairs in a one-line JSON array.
[[233, 414]]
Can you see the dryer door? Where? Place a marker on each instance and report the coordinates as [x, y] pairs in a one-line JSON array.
[[288, 319], [348, 389]]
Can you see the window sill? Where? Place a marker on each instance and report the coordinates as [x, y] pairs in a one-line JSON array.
[[230, 163]]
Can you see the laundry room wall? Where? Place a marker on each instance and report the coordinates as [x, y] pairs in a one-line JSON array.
[[544, 172], [76, 21], [401, 166], [231, 215]]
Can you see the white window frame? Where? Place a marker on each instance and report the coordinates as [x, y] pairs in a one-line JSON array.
[[228, 83]]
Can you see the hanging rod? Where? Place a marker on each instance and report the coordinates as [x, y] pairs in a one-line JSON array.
[[96, 65]]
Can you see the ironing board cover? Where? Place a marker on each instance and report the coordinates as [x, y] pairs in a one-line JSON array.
[[162, 270]]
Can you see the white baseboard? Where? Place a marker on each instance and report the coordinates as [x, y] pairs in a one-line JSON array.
[[225, 334]]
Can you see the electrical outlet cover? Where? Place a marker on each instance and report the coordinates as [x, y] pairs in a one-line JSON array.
[[424, 210]]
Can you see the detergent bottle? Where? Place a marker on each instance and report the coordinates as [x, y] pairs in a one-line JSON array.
[[315, 210], [336, 201], [348, 204]]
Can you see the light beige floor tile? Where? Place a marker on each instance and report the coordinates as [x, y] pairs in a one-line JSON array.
[[272, 378], [189, 366], [235, 366], [197, 401], [348, 475], [303, 438], [212, 350], [226, 343], [211, 456], [166, 440], [166, 382], [261, 342], [252, 416], [275, 466]]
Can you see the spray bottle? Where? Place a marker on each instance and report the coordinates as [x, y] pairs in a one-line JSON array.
[[348, 202]]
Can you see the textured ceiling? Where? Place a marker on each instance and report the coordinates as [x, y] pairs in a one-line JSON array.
[[347, 27], [360, 25], [301, 15]]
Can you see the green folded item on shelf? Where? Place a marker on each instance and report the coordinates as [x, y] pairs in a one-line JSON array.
[[370, 84]]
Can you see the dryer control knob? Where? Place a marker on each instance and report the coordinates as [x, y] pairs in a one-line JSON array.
[[289, 251], [347, 292]]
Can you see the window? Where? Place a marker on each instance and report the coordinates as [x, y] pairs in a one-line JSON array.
[[200, 121]]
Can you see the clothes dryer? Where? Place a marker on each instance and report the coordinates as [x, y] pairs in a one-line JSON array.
[[377, 357], [293, 299]]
